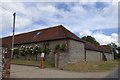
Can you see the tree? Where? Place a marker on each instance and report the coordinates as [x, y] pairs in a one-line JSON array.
[[118, 52], [36, 51], [90, 39], [114, 49]]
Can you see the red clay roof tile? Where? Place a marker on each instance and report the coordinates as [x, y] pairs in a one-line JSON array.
[[53, 33], [90, 46]]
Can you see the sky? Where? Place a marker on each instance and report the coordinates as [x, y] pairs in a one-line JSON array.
[[84, 17]]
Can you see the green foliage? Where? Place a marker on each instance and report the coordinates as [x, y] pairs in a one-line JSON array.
[[36, 51], [90, 39], [118, 52], [57, 48], [46, 44], [63, 47], [22, 51], [31, 51], [112, 45], [27, 50], [60, 48], [46, 50], [15, 52], [114, 50]]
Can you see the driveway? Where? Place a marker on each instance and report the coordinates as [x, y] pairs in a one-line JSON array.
[[19, 71]]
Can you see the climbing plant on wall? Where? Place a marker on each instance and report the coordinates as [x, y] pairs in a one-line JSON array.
[[63, 47], [60, 48], [46, 49], [22, 51], [36, 51], [31, 53]]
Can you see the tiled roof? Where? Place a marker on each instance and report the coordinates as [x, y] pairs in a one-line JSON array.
[[49, 34], [90, 46], [106, 48], [52, 33]]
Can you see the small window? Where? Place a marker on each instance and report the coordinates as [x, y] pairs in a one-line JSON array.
[[38, 33]]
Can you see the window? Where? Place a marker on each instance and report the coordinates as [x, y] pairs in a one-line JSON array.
[[38, 33]]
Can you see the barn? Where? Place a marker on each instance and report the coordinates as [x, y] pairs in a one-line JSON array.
[[75, 49]]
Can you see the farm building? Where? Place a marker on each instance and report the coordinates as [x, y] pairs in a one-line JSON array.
[[73, 48]]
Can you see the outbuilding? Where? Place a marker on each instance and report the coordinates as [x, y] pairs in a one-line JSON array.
[[75, 49]]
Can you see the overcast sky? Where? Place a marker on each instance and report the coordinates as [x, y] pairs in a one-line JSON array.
[[98, 19]]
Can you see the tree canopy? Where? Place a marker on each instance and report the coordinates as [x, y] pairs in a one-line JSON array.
[[115, 50], [90, 39]]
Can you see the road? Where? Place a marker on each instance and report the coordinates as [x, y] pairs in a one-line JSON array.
[[114, 73], [19, 71]]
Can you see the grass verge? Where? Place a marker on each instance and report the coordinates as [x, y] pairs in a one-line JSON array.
[[92, 66], [30, 62], [25, 62]]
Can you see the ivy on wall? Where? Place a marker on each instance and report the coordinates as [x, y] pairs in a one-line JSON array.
[[35, 50], [25, 51], [60, 48]]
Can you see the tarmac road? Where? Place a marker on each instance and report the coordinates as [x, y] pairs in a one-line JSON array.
[[20, 71], [114, 74]]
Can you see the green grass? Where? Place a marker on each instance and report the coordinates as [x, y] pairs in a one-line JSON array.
[[91, 66], [25, 62], [78, 67], [30, 62]]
